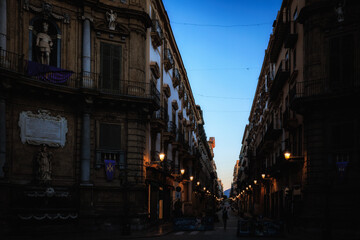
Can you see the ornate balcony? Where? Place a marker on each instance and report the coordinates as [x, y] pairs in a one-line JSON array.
[[39, 75], [156, 33], [170, 132], [280, 30], [291, 36], [282, 74], [118, 155], [168, 59], [181, 91], [320, 89], [176, 78]]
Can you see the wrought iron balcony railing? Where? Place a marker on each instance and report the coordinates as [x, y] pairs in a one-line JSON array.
[[156, 33], [171, 127], [33, 71], [320, 87], [104, 154]]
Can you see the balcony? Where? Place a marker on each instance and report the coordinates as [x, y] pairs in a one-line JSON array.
[[282, 74], [171, 127], [168, 59], [155, 93], [291, 36], [118, 155], [159, 120], [178, 141], [273, 131], [320, 89], [176, 78], [280, 30], [156, 33], [181, 91], [36, 74], [170, 132]]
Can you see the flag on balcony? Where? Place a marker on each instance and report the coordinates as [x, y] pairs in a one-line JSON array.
[[109, 169], [48, 73], [341, 167]]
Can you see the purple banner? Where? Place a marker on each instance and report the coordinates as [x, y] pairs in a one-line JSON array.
[[109, 169], [341, 167], [48, 73]]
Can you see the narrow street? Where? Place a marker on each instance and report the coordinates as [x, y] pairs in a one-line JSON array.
[[217, 233]]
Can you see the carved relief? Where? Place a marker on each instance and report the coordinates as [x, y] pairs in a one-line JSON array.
[[41, 128], [47, 11]]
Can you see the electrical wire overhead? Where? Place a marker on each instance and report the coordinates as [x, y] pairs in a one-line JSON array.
[[220, 25], [216, 69], [232, 98]]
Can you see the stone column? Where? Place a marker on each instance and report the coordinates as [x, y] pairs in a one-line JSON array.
[[85, 149], [2, 137], [3, 22], [86, 46], [87, 81]]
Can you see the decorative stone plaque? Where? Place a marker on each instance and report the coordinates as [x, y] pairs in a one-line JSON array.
[[41, 128]]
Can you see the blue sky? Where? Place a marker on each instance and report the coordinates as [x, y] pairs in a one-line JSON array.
[[222, 44]]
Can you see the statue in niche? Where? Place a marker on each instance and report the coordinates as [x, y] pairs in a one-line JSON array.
[[111, 18], [339, 9], [44, 44], [43, 163]]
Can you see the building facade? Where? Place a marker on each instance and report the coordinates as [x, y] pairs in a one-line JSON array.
[[301, 146], [91, 93]]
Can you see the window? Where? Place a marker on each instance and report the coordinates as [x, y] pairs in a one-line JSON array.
[[110, 144], [294, 59], [295, 16], [341, 60], [110, 64], [110, 136]]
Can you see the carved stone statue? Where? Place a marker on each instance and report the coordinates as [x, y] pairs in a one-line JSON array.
[[339, 9], [111, 18], [43, 164], [44, 43]]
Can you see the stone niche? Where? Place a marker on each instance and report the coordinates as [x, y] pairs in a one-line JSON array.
[[42, 128]]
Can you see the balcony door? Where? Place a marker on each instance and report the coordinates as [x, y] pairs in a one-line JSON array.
[[110, 63]]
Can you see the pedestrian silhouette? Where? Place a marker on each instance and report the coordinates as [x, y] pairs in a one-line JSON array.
[[225, 217]]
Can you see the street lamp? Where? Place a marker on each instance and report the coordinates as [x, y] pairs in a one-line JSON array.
[[198, 183], [255, 181], [191, 178], [182, 171], [288, 156], [162, 156]]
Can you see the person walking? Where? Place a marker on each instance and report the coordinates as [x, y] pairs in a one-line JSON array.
[[225, 216]]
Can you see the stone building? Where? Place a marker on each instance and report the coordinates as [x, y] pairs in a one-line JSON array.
[[301, 144], [91, 93]]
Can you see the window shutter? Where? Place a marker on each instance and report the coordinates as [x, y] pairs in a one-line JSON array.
[[334, 63], [348, 59], [110, 66], [110, 136], [105, 65], [116, 67]]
